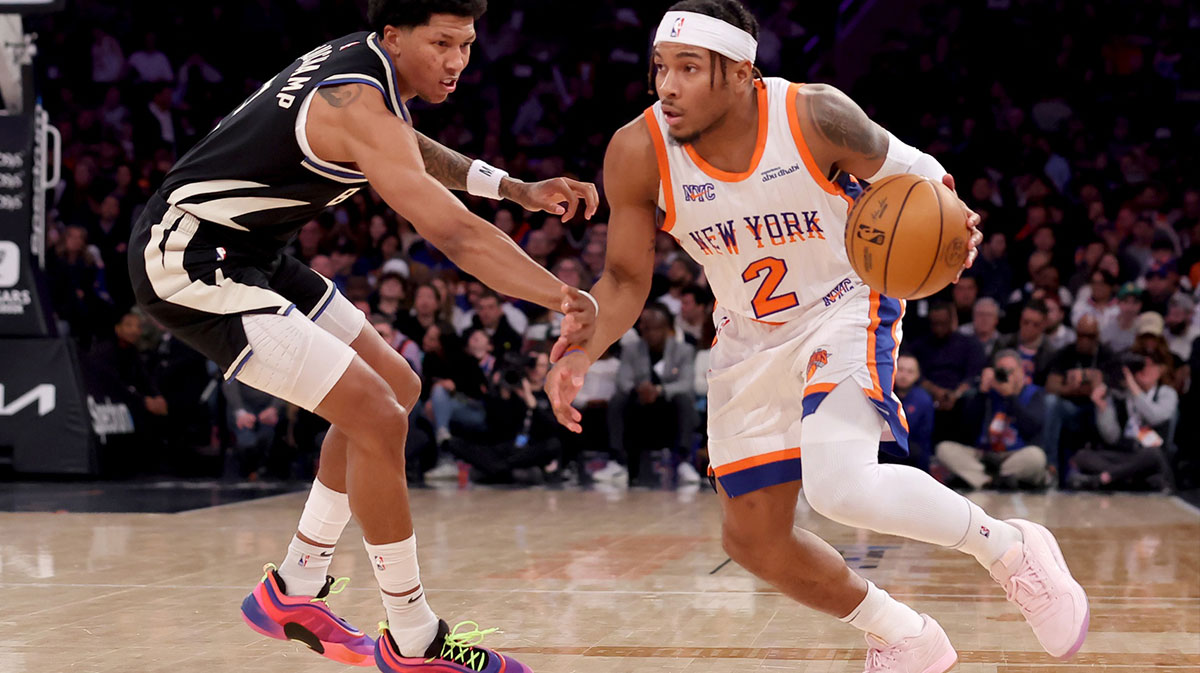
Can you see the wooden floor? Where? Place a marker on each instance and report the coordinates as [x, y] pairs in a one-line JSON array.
[[585, 582]]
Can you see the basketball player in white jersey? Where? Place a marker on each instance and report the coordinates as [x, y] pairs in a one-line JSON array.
[[736, 168]]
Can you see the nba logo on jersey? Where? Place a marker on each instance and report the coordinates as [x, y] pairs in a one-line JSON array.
[[677, 28], [221, 253], [705, 192]]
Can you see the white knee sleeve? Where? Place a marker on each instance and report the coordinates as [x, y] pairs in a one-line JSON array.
[[844, 481], [292, 359], [340, 318]]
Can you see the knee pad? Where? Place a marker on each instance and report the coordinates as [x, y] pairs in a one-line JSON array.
[[839, 452], [292, 359]]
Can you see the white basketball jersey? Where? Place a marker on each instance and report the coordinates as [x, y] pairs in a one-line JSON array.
[[770, 239]]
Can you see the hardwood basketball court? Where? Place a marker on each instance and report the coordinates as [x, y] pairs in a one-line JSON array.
[[580, 582]]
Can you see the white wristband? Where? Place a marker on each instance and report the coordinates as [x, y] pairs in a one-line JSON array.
[[484, 180], [595, 303]]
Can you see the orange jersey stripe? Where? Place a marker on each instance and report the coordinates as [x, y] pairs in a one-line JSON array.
[[664, 168], [755, 461], [805, 153]]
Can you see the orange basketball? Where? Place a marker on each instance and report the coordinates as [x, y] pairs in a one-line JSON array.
[[907, 237]]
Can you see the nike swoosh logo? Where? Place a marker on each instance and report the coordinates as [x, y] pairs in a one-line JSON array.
[[416, 598], [326, 553]]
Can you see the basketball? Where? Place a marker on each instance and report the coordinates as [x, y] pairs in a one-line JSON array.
[[907, 237]]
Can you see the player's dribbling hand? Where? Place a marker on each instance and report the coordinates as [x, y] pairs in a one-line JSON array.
[[563, 384], [973, 222], [579, 321], [550, 195]]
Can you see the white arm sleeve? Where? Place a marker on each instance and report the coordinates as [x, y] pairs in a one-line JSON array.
[[904, 158]]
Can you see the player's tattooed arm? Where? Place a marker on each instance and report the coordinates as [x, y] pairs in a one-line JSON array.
[[843, 127], [447, 166], [341, 96]]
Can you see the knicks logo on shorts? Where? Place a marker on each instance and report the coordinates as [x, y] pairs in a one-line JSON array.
[[818, 359]]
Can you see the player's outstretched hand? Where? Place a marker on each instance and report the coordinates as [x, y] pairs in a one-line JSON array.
[[558, 196], [563, 384], [973, 222], [579, 320]]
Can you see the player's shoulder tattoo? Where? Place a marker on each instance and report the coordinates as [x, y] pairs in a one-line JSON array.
[[843, 123], [342, 95]]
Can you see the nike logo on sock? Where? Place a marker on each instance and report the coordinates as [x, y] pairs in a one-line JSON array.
[[326, 553], [416, 598]]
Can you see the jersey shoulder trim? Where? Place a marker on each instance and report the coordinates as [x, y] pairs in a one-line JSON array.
[[311, 161], [806, 154], [393, 85], [664, 167], [760, 144]]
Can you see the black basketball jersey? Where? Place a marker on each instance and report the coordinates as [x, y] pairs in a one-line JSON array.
[[255, 171]]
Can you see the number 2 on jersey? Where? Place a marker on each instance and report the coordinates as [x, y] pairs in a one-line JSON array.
[[764, 302]]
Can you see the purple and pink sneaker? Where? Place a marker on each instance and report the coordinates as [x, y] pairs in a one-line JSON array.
[[455, 651], [307, 619]]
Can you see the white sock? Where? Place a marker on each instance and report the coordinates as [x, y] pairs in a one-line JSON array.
[[412, 623], [325, 516], [884, 617], [986, 538]]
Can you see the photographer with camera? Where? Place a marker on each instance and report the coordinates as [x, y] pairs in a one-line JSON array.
[[1008, 417], [1133, 421], [522, 437]]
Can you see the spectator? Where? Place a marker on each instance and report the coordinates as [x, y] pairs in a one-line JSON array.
[[121, 354], [949, 361], [1073, 373], [992, 271], [409, 349], [681, 274], [695, 313], [1118, 331], [1180, 326], [1030, 341], [77, 284], [149, 64], [918, 408], [1162, 282], [490, 317], [108, 60], [985, 318], [456, 381], [656, 391], [427, 310], [1007, 415], [1134, 425], [388, 300], [252, 418], [522, 440], [1058, 335], [965, 292], [1097, 299]]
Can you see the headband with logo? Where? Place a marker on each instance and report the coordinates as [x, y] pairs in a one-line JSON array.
[[707, 32]]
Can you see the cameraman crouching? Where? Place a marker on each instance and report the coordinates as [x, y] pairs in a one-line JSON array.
[[1133, 422], [522, 434], [1006, 414]]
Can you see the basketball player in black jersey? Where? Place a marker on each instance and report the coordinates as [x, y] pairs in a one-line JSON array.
[[206, 262]]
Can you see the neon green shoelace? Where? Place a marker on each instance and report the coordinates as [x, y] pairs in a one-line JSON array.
[[459, 645]]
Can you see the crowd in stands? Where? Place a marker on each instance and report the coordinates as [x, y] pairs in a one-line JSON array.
[[1062, 359]]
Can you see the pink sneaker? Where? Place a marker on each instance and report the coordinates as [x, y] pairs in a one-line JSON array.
[[1037, 579], [927, 652]]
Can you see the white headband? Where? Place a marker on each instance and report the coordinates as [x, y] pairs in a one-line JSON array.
[[701, 30]]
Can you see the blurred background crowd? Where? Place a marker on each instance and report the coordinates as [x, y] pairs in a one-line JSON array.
[[1062, 360]]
